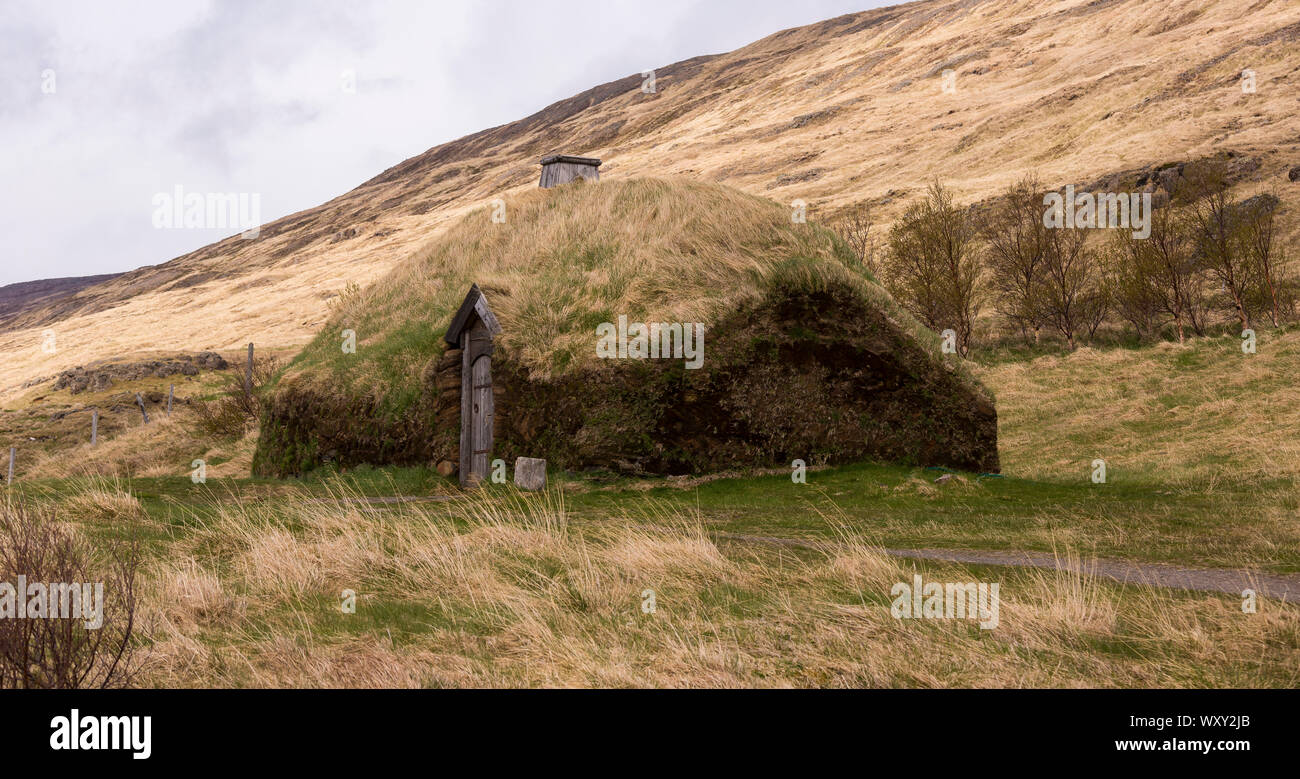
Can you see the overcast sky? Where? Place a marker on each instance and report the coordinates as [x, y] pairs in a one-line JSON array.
[[105, 103]]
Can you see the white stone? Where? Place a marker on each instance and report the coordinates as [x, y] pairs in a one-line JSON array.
[[530, 473]]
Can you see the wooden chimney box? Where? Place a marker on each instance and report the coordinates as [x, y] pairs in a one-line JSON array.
[[560, 169]]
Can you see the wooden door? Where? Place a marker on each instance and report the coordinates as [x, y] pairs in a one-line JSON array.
[[476, 408], [481, 413]]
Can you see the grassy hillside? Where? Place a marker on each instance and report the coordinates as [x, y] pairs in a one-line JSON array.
[[1201, 416], [794, 329], [844, 111]]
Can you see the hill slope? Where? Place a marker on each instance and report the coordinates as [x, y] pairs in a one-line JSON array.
[[847, 110], [43, 297]]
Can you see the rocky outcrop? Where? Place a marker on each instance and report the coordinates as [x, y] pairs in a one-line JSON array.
[[99, 378]]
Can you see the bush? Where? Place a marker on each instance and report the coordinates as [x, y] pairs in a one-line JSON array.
[[63, 653], [932, 267], [237, 406]]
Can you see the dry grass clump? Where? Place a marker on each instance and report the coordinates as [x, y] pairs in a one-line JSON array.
[[194, 595], [103, 501], [88, 504], [509, 590]]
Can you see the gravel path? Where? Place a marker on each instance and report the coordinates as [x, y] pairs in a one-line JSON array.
[[389, 500], [1284, 587]]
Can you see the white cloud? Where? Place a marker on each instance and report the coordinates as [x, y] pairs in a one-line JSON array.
[[245, 97]]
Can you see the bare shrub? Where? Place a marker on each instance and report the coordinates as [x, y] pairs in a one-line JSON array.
[[1213, 222], [237, 405], [63, 653], [854, 226], [1157, 279], [1135, 292], [932, 266], [1256, 241], [1016, 237], [1070, 288]]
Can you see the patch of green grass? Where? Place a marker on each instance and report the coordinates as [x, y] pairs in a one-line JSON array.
[[894, 506], [405, 621], [904, 507]]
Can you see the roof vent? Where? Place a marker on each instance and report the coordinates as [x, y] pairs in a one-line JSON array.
[[560, 169]]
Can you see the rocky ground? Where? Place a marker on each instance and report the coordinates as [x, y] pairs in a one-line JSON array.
[[101, 376]]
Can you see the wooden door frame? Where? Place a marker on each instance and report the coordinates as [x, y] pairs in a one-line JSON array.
[[473, 313]]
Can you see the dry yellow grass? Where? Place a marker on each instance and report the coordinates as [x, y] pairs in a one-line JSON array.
[[846, 110], [101, 500], [1186, 416], [507, 591], [167, 446]]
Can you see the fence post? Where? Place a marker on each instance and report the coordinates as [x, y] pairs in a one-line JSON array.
[[94, 427], [13, 453], [248, 374], [171, 393], [143, 413]]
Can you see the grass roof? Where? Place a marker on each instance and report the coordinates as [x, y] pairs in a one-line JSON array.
[[566, 259]]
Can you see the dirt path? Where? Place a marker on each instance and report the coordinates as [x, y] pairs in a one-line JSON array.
[[1284, 587]]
